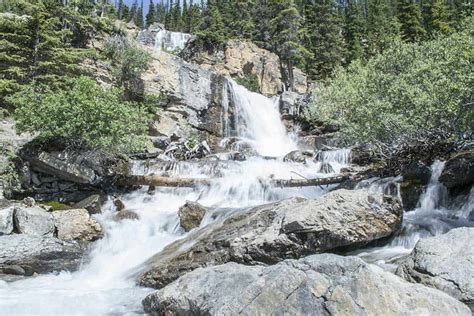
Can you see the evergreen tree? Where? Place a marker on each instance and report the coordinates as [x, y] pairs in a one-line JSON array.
[[139, 18], [194, 17], [437, 17], [150, 16], [262, 15], [354, 31], [286, 37], [120, 9], [212, 29], [409, 17], [126, 13], [327, 43], [242, 24], [160, 13], [169, 18], [185, 17], [177, 18], [381, 26], [133, 12]]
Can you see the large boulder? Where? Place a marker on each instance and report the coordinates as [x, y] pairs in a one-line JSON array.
[[276, 231], [92, 204], [459, 170], [76, 224], [445, 262], [33, 221], [40, 254], [191, 215], [323, 284], [6, 219]]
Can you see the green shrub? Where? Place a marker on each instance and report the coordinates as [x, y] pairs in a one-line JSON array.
[[249, 81], [407, 91], [83, 115]]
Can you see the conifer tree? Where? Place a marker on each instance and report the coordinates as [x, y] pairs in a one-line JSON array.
[[125, 13], [243, 24], [194, 17], [381, 26], [185, 17], [139, 18], [133, 11], [160, 13], [410, 19], [327, 43], [437, 17], [354, 31], [150, 16], [212, 29], [262, 15]]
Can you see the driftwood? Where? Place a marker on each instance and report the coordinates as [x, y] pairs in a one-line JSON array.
[[161, 181]]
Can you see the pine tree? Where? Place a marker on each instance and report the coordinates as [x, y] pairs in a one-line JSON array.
[[354, 31], [185, 17], [126, 13], [242, 23], [381, 27], [212, 29], [286, 37], [160, 13], [194, 17], [327, 46], [409, 17], [150, 16], [169, 18], [139, 18], [120, 9], [133, 12], [437, 17], [262, 14]]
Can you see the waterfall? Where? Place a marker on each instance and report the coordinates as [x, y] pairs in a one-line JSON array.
[[171, 41], [433, 216], [257, 121], [105, 283]]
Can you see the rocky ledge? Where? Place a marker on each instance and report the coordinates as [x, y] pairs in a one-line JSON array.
[[323, 284], [274, 232], [444, 262]]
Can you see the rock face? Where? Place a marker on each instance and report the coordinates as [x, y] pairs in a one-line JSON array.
[[6, 220], [34, 221], [191, 215], [322, 284], [445, 262], [459, 170], [76, 224], [39, 254], [156, 36], [273, 232], [240, 58]]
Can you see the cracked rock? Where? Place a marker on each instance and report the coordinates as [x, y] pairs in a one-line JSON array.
[[324, 284], [444, 262]]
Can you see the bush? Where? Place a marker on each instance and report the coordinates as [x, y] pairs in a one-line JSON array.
[[249, 81], [129, 62], [82, 116], [408, 91]]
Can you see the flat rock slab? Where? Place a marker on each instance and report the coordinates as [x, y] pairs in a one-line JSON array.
[[34, 221], [40, 254], [445, 262], [274, 232], [324, 284]]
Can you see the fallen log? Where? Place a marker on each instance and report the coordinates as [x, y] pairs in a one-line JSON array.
[[161, 181]]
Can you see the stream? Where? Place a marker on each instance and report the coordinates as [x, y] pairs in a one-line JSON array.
[[105, 283]]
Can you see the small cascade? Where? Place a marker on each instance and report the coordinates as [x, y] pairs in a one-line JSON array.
[[434, 215], [171, 41], [257, 121]]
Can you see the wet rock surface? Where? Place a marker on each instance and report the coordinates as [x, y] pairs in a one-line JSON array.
[[76, 224], [444, 262], [273, 232], [6, 219], [322, 284], [191, 215], [40, 254], [459, 170]]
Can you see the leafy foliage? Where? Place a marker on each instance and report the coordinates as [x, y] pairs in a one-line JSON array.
[[249, 81], [83, 116], [408, 90]]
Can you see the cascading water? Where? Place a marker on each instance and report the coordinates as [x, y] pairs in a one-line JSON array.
[[105, 284], [433, 216], [171, 41]]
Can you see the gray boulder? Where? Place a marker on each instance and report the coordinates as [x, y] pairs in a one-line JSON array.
[[459, 170], [445, 262], [191, 215], [40, 254], [323, 284], [33, 221], [6, 220], [76, 225], [274, 232], [92, 204], [298, 156]]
